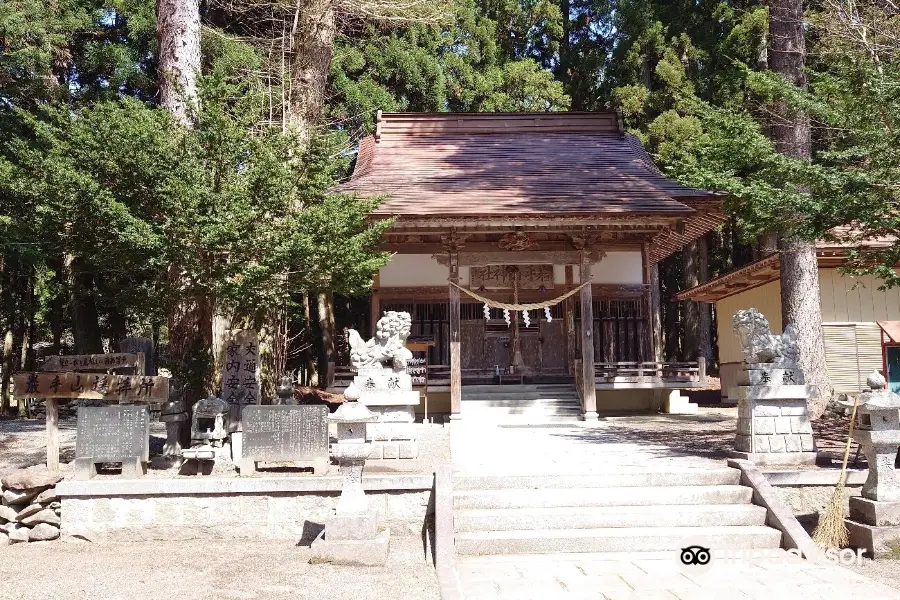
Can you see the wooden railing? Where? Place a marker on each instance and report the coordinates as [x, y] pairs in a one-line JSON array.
[[685, 373]]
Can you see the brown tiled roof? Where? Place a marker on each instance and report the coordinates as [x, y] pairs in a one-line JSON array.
[[470, 164]]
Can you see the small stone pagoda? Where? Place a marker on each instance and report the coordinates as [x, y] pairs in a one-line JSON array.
[[386, 388], [773, 425], [874, 522]]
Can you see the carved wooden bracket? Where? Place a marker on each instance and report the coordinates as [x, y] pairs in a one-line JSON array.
[[453, 242]]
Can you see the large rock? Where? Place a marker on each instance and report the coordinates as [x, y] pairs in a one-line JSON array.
[[4, 540], [47, 496], [18, 534], [7, 513], [36, 477], [11, 497], [43, 532], [47, 515], [28, 511]]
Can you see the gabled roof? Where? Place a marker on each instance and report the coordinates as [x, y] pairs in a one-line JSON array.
[[830, 253], [483, 164]]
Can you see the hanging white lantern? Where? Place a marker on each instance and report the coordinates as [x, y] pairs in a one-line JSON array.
[[487, 312], [547, 314], [526, 318], [506, 316]]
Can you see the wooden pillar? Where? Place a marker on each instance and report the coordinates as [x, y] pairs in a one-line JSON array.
[[589, 393], [51, 406], [656, 326], [570, 323], [647, 308], [455, 359], [374, 306]]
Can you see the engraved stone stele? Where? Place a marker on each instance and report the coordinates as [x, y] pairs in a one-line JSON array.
[[773, 426], [352, 537], [385, 386], [112, 434], [285, 433], [874, 522]]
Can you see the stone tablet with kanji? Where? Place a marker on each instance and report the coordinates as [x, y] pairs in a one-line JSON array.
[[297, 434], [112, 434], [240, 373]]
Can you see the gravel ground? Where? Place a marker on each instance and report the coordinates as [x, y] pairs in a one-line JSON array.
[[204, 570]]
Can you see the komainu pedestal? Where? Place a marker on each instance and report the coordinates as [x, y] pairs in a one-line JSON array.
[[386, 388], [773, 425]]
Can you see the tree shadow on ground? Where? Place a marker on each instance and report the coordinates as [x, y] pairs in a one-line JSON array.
[[674, 436]]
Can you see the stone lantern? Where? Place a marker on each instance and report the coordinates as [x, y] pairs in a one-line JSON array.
[[878, 432], [874, 522], [352, 537]]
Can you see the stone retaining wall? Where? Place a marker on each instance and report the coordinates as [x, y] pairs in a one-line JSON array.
[[250, 510]]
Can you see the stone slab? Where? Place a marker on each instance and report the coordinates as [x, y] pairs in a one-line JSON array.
[[775, 458], [360, 553], [113, 433], [285, 432], [770, 375], [873, 512], [877, 541], [771, 392], [392, 398], [231, 485], [353, 527]]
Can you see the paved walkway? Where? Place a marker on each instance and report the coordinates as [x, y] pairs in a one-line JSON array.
[[605, 446]]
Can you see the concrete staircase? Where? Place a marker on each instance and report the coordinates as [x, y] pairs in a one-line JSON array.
[[536, 403], [620, 511]]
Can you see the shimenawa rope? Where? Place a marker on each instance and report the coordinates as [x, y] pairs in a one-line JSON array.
[[521, 307]]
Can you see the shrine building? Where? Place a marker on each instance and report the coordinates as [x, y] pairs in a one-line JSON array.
[[565, 212]]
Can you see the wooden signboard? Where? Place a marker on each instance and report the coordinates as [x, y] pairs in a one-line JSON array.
[[285, 433], [498, 277], [125, 389], [118, 434], [95, 362]]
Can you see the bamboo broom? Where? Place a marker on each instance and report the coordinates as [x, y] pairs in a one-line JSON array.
[[831, 532]]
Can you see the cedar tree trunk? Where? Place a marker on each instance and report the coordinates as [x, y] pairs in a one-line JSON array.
[[799, 270]]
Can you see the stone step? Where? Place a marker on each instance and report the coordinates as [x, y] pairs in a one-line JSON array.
[[521, 410], [567, 517], [619, 478], [627, 539], [604, 496], [513, 400]]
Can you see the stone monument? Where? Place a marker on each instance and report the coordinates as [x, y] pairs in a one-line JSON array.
[[874, 522], [352, 536], [385, 387], [773, 425]]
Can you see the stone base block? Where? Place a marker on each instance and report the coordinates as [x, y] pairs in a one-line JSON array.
[[359, 553], [132, 468], [877, 541], [873, 512], [353, 527], [393, 450], [776, 458], [319, 465]]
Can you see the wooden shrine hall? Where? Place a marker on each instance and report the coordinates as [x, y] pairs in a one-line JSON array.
[[525, 208]]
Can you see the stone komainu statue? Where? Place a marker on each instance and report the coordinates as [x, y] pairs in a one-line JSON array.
[[758, 342], [388, 345]]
